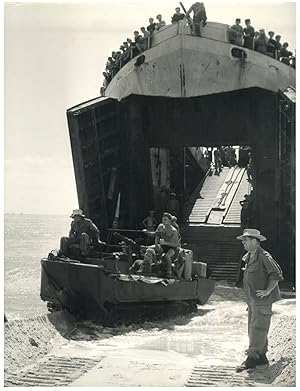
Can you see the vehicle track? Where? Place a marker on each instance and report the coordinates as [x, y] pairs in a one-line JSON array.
[[52, 371]]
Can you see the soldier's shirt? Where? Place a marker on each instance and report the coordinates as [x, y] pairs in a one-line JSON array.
[[83, 226], [260, 269]]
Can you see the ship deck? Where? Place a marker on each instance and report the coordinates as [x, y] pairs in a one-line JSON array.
[[179, 64]]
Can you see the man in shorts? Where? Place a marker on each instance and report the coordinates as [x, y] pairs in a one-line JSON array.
[[167, 240]]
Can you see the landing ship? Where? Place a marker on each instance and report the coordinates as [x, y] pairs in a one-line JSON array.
[[143, 138]]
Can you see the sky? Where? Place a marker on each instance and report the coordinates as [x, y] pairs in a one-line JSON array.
[[54, 56]]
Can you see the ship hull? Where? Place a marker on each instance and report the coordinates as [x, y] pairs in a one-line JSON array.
[[184, 65]]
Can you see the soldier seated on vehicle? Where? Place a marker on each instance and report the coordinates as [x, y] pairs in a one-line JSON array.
[[144, 266], [161, 265], [83, 236], [179, 262], [167, 240], [135, 246]]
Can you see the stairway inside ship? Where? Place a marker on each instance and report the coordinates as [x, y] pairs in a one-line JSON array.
[[213, 221]]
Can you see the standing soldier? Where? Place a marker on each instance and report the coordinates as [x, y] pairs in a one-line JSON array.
[[237, 33], [218, 161], [278, 46], [150, 222], [146, 37], [271, 46], [139, 43], [152, 26], [249, 35], [160, 23], [260, 282], [198, 17], [250, 168], [177, 16]]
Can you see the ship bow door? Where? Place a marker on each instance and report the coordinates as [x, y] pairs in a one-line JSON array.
[[94, 129]]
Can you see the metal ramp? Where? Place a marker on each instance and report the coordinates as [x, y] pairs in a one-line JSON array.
[[214, 222], [233, 214], [225, 196], [206, 196], [217, 201]]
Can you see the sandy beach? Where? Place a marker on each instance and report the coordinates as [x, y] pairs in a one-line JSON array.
[[195, 350]]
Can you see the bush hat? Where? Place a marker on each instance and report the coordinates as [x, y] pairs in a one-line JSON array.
[[253, 233], [77, 212]]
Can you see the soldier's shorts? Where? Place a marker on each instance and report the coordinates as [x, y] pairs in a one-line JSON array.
[[168, 250]]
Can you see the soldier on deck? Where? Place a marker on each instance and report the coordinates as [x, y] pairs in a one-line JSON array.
[[161, 23], [285, 54], [249, 35], [139, 43], [146, 37], [152, 26], [83, 232], [198, 17], [278, 45], [125, 56], [271, 46], [177, 16], [236, 33], [261, 42]]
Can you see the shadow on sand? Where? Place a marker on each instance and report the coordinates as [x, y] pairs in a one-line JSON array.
[[269, 374]]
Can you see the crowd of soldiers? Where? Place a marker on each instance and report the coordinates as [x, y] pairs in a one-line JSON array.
[[160, 254], [165, 256], [225, 156], [258, 40], [238, 35], [142, 41], [131, 48]]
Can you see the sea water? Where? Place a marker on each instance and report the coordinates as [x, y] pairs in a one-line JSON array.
[[27, 239]]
